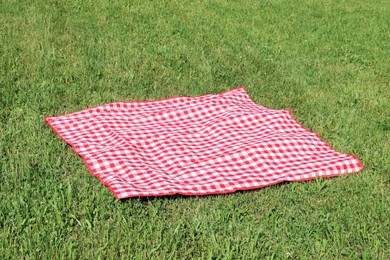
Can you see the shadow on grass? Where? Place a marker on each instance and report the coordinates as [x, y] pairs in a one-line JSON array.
[[150, 199], [318, 185]]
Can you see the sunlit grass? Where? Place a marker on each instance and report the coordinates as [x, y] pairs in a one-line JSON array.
[[326, 61]]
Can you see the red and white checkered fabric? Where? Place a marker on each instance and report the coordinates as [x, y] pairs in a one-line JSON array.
[[197, 145]]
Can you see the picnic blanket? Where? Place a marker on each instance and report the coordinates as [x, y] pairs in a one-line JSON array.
[[211, 144]]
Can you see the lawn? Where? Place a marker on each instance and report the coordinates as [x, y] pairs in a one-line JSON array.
[[326, 61]]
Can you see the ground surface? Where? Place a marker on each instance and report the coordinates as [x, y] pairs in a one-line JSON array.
[[327, 62]]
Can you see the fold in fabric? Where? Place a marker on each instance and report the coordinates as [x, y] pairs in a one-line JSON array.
[[210, 144]]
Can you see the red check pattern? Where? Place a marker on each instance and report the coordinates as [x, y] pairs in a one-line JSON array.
[[209, 144]]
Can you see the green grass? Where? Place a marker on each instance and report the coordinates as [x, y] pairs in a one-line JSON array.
[[327, 61]]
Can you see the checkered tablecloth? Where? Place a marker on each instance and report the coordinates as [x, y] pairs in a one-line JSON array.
[[209, 144]]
